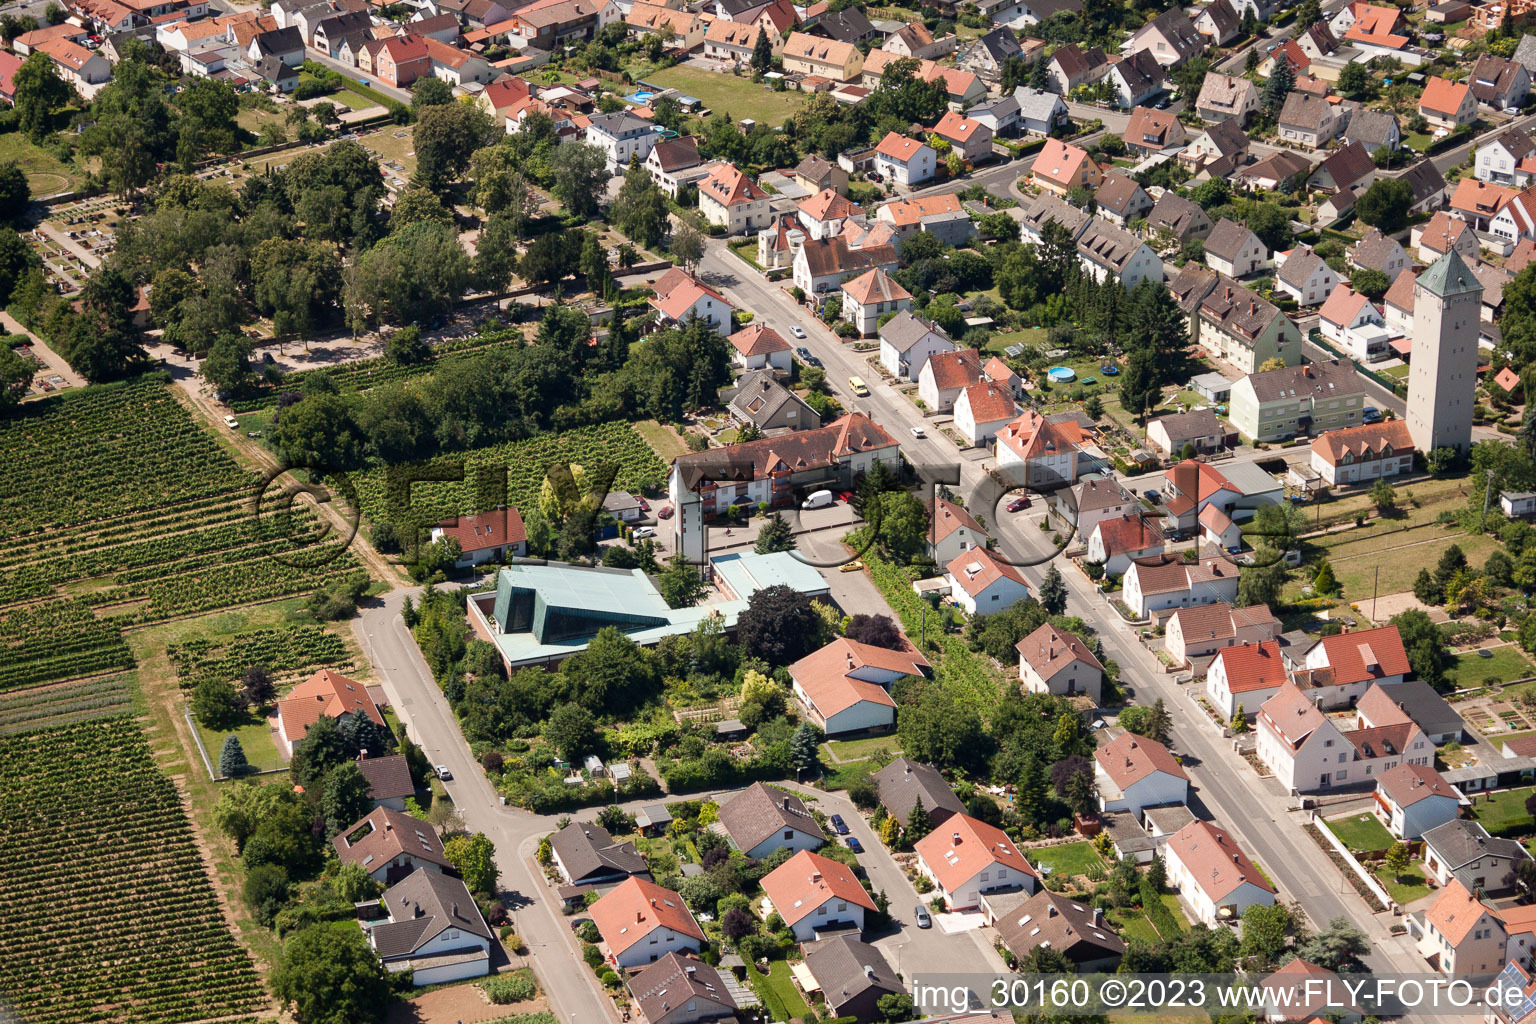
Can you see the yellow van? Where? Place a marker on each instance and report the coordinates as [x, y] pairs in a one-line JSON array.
[[859, 387]]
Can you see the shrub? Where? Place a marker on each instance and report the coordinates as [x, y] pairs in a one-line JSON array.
[[510, 988]]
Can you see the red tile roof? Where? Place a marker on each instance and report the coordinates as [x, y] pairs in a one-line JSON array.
[[1366, 654], [1363, 440], [1253, 666], [1131, 758], [1443, 97], [961, 848], [1407, 784], [910, 212], [956, 127], [976, 570], [828, 204], [808, 880], [827, 675], [486, 530], [875, 286], [1033, 436], [328, 694], [1214, 860], [1127, 533], [1456, 911], [1048, 650], [947, 517], [898, 147], [958, 369], [989, 403], [758, 340], [635, 908]]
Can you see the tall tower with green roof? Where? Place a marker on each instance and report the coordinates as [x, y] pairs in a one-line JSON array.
[[1447, 305]]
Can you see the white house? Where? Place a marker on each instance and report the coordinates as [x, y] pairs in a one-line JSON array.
[[1411, 799], [1304, 276], [1354, 662], [1499, 159], [1104, 251], [680, 297], [1245, 675], [1352, 322], [759, 347], [621, 135], [760, 820], [906, 343], [965, 858], [1352, 455], [952, 531], [945, 376], [982, 410], [1461, 935], [433, 928], [641, 921], [1116, 543], [729, 199], [981, 584], [1055, 661], [1213, 875], [389, 845], [1037, 453], [1308, 752], [485, 537], [1204, 630], [1134, 772], [1234, 250], [904, 161], [812, 894], [870, 296], [845, 686], [1154, 584]]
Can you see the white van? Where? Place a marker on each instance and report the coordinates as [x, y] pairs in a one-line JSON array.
[[818, 499]]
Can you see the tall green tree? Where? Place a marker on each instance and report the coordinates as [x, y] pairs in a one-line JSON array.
[[446, 136], [762, 53], [132, 132], [580, 171], [1282, 79], [474, 857], [16, 376], [39, 91], [346, 798], [640, 209], [1139, 382], [1053, 592], [775, 535], [330, 975]]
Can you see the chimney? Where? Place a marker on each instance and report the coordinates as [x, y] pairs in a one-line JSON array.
[[815, 877], [955, 838], [416, 910], [1235, 859], [639, 917], [653, 901], [1098, 917], [869, 972], [362, 754], [849, 656], [455, 909], [1051, 911]]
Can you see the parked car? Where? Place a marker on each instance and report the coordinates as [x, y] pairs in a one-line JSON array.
[[1018, 504], [853, 566], [854, 844], [642, 532], [818, 499], [442, 772], [803, 353], [859, 388], [924, 919], [919, 432], [666, 513], [1370, 414], [797, 330], [1153, 496], [231, 423], [839, 824]]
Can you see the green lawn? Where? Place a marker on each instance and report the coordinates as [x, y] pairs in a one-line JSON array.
[[1171, 901], [1408, 886], [1399, 556], [1362, 833], [1133, 924], [255, 739], [1504, 814], [852, 750], [1506, 665], [46, 174], [726, 93], [1068, 859], [1027, 336], [778, 992]]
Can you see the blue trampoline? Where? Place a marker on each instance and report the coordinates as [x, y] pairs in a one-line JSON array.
[[1062, 374]]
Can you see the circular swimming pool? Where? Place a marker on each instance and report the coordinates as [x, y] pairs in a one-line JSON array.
[[1062, 374]]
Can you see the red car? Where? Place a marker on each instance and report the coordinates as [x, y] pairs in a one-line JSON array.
[[845, 495], [665, 513], [1018, 504]]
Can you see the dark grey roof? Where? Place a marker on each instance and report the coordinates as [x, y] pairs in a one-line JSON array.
[[1192, 284], [1371, 128], [1176, 215], [1426, 180], [388, 777], [1035, 104], [1333, 377], [1525, 53], [1001, 108], [1279, 166], [1229, 137], [1117, 192], [1190, 424], [1000, 44], [1299, 266], [902, 782], [420, 908], [848, 25], [1175, 26], [1237, 310], [1493, 77], [1107, 245], [845, 968], [759, 397], [1096, 492], [1460, 842], [1047, 919], [1043, 9], [272, 69], [1141, 72], [588, 851], [620, 122], [281, 40], [1347, 165], [1419, 701], [1227, 239], [1223, 17], [1375, 250], [757, 813], [906, 329], [1047, 207], [1305, 110], [673, 982]]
